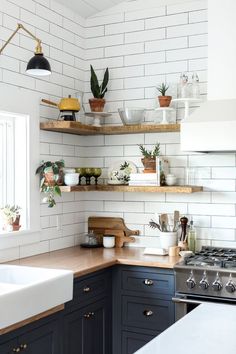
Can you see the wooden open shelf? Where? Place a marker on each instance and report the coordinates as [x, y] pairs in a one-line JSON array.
[[82, 129], [124, 188]]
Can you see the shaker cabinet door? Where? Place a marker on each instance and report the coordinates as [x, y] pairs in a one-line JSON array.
[[88, 330], [41, 340]]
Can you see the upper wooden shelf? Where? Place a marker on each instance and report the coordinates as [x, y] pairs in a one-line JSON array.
[[125, 188], [82, 129]]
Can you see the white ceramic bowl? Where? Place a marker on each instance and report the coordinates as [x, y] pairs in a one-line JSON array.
[[71, 179], [130, 116], [171, 180]]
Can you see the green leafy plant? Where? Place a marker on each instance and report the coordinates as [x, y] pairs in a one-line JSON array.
[[50, 173], [163, 88], [151, 154], [9, 213], [98, 91]]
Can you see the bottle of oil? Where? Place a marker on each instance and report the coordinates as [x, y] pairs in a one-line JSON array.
[[192, 235]]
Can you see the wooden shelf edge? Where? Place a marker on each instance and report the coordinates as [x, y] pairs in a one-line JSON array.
[[82, 129], [124, 188]]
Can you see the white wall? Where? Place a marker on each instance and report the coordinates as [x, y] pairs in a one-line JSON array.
[[62, 33], [142, 47]]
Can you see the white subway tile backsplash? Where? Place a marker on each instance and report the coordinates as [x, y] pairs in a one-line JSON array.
[[125, 49], [146, 35], [165, 44], [131, 26], [145, 13], [187, 30], [144, 45], [166, 21]]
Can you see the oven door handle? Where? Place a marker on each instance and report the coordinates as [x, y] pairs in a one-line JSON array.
[[179, 300]]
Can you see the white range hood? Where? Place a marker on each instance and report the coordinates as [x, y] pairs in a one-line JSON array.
[[212, 127]]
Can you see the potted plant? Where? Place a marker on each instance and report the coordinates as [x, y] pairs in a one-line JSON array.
[[164, 100], [11, 217], [98, 102], [51, 177], [149, 158]]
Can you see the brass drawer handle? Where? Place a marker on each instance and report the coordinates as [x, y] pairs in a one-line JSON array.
[[23, 346], [89, 315], [148, 313], [16, 350], [148, 282], [87, 289]]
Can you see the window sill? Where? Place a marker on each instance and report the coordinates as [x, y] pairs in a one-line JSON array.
[[18, 238]]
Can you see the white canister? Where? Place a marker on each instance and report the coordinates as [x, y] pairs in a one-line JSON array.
[[168, 239], [171, 180], [108, 241], [71, 179]]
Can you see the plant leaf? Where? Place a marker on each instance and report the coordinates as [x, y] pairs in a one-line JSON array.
[[57, 190], [105, 82], [94, 83]]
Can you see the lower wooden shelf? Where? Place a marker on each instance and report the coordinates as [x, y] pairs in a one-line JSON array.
[[124, 188]]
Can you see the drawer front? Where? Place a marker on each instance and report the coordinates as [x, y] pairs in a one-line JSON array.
[[146, 313], [148, 282], [131, 342], [86, 289]]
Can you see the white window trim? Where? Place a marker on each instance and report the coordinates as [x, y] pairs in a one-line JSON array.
[[20, 101]]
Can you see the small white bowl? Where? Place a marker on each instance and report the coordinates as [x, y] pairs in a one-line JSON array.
[[171, 180], [71, 179], [185, 254]]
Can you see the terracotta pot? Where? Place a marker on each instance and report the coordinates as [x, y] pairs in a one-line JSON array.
[[149, 164], [50, 181], [97, 104], [164, 101], [16, 224]]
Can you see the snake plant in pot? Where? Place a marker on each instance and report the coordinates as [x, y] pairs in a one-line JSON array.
[[51, 177], [98, 102], [164, 100]]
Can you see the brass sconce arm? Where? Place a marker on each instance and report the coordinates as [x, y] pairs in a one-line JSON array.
[[38, 49]]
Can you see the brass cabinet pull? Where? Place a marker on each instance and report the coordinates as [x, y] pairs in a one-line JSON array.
[[148, 282], [148, 313], [16, 350], [87, 289], [23, 346], [89, 315]]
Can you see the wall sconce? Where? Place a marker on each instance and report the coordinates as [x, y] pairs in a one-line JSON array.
[[38, 64]]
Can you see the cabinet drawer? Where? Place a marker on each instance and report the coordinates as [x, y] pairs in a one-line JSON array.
[[148, 282], [131, 342], [146, 313], [91, 287]]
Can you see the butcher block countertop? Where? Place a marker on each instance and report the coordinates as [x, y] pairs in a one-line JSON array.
[[84, 261]]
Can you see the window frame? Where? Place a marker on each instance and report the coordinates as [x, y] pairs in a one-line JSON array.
[[17, 101]]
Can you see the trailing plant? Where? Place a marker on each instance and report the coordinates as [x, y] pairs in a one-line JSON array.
[[98, 91], [50, 186], [163, 88], [151, 154], [10, 213]]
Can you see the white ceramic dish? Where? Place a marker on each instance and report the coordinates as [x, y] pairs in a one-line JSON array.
[[131, 116], [185, 254], [116, 169], [28, 291]]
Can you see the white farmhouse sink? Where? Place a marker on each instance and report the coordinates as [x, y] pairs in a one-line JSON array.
[[28, 291]]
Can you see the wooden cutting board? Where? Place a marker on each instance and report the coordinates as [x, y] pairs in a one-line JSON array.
[[105, 225]]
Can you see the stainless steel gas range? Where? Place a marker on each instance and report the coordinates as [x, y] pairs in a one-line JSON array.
[[207, 276]]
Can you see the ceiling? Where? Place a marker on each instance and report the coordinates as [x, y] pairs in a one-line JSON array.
[[86, 8]]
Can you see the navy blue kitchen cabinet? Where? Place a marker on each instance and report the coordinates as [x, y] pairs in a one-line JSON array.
[[142, 306], [39, 337], [87, 318], [113, 311]]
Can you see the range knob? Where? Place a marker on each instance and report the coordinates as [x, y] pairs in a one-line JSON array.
[[217, 284], [230, 286], [204, 284], [190, 282]]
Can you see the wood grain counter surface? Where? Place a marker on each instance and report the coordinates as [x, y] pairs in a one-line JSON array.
[[85, 261]]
